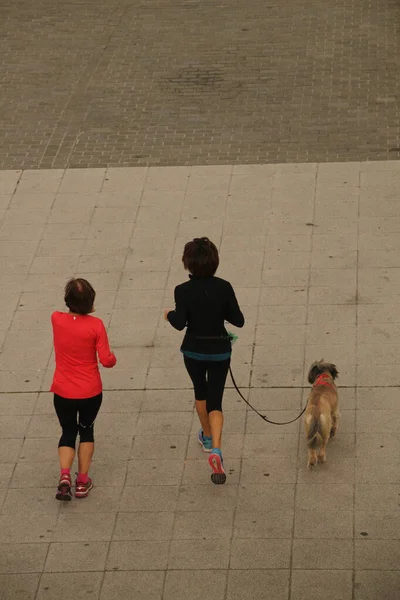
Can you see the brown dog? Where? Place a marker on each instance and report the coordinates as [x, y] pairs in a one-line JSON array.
[[321, 416]]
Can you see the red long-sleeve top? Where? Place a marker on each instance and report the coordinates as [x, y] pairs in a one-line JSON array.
[[78, 341]]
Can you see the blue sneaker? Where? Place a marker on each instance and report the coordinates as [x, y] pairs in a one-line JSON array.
[[216, 462], [204, 441]]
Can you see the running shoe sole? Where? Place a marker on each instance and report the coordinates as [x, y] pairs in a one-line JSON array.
[[85, 490], [218, 477], [64, 493]]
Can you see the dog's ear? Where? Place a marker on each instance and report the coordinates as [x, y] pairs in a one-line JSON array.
[[314, 371], [332, 370]]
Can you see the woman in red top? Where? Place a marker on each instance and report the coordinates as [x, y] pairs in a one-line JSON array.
[[80, 340]]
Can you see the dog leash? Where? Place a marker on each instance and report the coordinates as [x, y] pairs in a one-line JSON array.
[[232, 338], [263, 417]]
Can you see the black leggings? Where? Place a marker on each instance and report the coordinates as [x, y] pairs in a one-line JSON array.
[[76, 416], [208, 379]]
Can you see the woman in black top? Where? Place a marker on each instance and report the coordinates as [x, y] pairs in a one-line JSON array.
[[202, 305]]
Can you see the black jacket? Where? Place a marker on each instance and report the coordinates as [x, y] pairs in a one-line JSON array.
[[203, 304]]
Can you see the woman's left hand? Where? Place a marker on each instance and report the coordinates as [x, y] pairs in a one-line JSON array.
[[166, 311]]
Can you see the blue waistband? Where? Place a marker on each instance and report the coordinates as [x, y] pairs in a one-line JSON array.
[[212, 357]]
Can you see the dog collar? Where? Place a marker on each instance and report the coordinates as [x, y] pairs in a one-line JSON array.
[[322, 380]]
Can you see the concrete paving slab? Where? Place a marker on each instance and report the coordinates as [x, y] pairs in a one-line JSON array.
[[311, 285]]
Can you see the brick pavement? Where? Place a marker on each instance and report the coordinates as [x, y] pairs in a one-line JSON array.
[[313, 252], [106, 83]]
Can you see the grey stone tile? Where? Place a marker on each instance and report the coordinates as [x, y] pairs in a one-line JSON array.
[[369, 444], [3, 493], [44, 404], [101, 500], [323, 496], [169, 400], [13, 426], [38, 450], [307, 585], [332, 472], [268, 524], [112, 449], [165, 423], [27, 528], [277, 376], [152, 280], [6, 472], [19, 502], [195, 585], [167, 378], [19, 586], [256, 425], [286, 356], [43, 426], [96, 527], [154, 472], [144, 526], [258, 584], [147, 585], [127, 379], [82, 180], [207, 498], [324, 523], [170, 447], [140, 555], [15, 358], [115, 425], [375, 469], [284, 296], [199, 554], [139, 299], [155, 498], [377, 421], [196, 525], [285, 315], [75, 557], [368, 375], [270, 554], [374, 585], [9, 449], [372, 399], [17, 404], [269, 445], [265, 399], [282, 469], [265, 497], [22, 558], [377, 554], [383, 525], [322, 554], [53, 585], [369, 496]]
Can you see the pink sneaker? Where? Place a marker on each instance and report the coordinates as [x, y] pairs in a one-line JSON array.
[[82, 489], [216, 462], [64, 489]]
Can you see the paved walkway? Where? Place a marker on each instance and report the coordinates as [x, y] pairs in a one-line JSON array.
[[115, 83], [313, 253]]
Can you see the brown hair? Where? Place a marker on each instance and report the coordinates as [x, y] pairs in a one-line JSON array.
[[79, 296], [200, 257]]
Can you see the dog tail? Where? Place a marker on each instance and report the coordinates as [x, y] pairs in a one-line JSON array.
[[315, 433]]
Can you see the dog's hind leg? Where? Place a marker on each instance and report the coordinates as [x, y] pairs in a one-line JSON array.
[[322, 452], [312, 458], [335, 422], [326, 428]]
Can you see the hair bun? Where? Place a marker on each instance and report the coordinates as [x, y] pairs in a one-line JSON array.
[[203, 241]]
